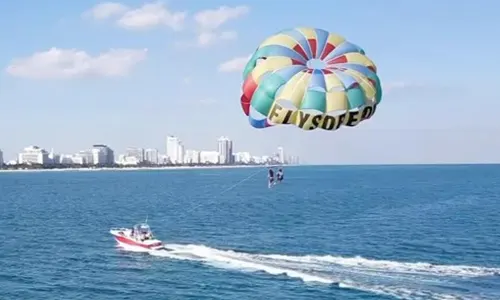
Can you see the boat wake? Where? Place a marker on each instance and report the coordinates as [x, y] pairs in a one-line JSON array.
[[402, 280]]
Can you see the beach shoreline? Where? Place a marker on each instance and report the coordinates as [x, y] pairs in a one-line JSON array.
[[170, 168]]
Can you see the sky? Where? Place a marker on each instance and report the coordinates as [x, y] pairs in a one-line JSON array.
[[127, 74]]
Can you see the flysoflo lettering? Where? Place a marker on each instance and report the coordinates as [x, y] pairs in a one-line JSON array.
[[306, 121]]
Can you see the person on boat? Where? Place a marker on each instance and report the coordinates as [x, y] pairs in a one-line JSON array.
[[270, 177], [279, 175]]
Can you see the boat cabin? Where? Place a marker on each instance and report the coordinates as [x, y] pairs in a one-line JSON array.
[[142, 232]]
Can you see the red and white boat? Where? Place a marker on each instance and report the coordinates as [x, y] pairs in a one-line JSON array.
[[139, 236]]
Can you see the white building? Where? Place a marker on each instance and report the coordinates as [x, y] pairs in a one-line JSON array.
[[81, 158], [281, 155], [174, 149], [66, 159], [1, 158], [54, 158], [85, 157], [225, 147], [162, 159], [126, 160], [261, 159], [137, 153], [102, 155], [33, 155], [209, 157], [180, 154], [257, 159], [98, 156], [151, 156], [192, 157], [242, 157]]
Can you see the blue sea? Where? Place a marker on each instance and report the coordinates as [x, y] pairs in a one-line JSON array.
[[336, 232]]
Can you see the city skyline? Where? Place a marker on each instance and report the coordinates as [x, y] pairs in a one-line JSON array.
[[174, 153], [123, 74], [161, 150]]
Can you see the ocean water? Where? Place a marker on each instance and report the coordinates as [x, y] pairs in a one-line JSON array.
[[363, 232]]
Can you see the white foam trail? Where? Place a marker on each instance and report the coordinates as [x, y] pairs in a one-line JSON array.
[[404, 293], [420, 268], [234, 260], [327, 261], [347, 272]]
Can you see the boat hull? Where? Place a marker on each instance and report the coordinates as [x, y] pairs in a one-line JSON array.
[[124, 238]]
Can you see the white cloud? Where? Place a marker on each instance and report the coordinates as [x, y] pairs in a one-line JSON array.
[[209, 38], [206, 39], [106, 10], [152, 15], [147, 16], [236, 64], [212, 19], [71, 63], [209, 21]]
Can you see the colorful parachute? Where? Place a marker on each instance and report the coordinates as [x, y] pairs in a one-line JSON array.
[[310, 78]]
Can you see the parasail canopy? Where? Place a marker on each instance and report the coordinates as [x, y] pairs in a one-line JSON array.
[[310, 78]]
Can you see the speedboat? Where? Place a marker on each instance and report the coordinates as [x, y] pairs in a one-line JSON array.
[[139, 236]]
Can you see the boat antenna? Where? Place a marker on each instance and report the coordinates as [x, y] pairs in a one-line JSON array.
[[146, 222]]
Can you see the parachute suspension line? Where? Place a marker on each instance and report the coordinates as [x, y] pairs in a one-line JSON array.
[[225, 191]]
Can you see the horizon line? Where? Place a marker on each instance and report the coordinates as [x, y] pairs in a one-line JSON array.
[[393, 164]]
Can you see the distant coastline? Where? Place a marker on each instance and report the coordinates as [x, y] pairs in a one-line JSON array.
[[402, 164], [136, 168], [18, 168]]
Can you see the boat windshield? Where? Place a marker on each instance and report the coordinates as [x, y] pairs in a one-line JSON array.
[[142, 228]]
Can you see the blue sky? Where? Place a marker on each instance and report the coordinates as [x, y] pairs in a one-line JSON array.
[[436, 60]]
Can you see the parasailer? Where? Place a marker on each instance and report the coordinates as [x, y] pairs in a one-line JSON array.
[[279, 175], [270, 177], [310, 78]]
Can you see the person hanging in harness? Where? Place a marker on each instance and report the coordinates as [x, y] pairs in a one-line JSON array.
[[279, 175], [270, 177]]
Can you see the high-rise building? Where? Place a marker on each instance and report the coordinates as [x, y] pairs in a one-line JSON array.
[[137, 153], [174, 150], [230, 152], [102, 155], [281, 155], [33, 155], [225, 149], [180, 153], [151, 156], [1, 158], [98, 156]]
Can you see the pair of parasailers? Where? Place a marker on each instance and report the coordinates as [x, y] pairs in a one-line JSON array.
[[270, 176]]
